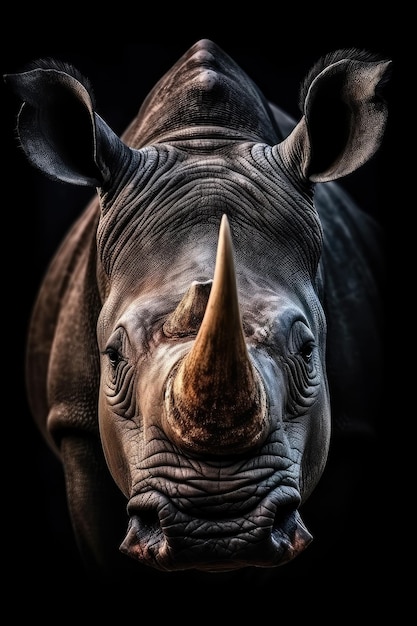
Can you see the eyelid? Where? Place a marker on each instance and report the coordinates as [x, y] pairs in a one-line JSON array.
[[116, 341], [300, 336]]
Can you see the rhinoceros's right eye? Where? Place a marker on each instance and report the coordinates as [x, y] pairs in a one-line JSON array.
[[113, 356]]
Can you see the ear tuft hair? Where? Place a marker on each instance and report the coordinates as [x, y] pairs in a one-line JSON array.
[[47, 63], [354, 54]]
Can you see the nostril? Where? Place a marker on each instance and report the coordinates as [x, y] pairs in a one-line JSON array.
[[144, 537], [289, 528], [281, 515], [145, 523], [149, 519]]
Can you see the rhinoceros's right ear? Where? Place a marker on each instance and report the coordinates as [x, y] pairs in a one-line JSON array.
[[59, 130]]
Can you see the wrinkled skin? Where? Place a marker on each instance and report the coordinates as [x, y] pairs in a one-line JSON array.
[[210, 245]]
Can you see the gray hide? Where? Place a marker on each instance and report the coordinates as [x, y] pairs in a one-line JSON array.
[[213, 319]]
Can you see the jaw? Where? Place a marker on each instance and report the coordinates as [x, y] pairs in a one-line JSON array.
[[167, 539]]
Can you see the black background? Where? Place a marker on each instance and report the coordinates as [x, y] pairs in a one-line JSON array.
[[123, 60]]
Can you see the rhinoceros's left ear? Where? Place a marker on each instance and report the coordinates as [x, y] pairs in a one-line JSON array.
[[344, 120], [59, 130]]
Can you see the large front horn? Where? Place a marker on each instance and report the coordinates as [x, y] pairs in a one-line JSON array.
[[215, 400]]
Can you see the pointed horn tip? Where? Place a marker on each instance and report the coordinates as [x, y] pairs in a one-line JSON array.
[[224, 225], [225, 243]]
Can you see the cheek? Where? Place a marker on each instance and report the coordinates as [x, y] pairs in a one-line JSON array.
[[317, 446], [114, 439], [152, 380]]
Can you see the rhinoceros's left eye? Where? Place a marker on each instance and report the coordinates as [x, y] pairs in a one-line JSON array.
[[301, 341], [303, 373], [307, 351]]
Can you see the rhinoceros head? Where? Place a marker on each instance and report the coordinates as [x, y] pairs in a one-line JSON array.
[[213, 409]]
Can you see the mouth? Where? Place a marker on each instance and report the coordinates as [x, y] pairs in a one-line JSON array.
[[163, 537]]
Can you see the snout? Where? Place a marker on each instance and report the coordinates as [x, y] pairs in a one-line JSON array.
[[163, 536]]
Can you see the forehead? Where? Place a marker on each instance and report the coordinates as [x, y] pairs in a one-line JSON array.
[[169, 210], [190, 181]]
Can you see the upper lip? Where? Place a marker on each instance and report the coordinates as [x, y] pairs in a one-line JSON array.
[[168, 538]]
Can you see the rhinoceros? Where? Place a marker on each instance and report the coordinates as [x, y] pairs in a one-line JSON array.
[[211, 325]]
